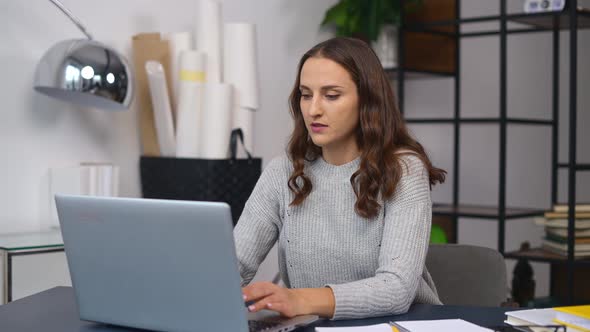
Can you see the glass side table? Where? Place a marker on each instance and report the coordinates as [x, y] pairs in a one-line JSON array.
[[20, 244]]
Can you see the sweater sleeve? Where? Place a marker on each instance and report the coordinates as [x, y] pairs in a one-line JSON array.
[[404, 244], [258, 227]]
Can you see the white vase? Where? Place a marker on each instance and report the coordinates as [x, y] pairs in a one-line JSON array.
[[386, 46]]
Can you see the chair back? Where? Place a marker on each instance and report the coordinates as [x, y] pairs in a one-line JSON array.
[[468, 275]]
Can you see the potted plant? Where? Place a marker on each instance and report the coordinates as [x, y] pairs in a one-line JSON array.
[[375, 21]]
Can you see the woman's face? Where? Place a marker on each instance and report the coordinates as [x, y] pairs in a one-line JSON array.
[[329, 104]]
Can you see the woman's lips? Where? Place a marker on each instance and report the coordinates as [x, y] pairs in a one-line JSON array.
[[318, 127]]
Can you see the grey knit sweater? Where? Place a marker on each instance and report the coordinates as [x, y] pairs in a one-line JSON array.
[[374, 267]]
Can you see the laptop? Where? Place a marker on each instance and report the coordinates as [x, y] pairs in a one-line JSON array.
[[159, 265]]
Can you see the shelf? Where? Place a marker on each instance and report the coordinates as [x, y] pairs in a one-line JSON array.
[[551, 302], [484, 212], [539, 21], [547, 21], [554, 301], [541, 255], [577, 167], [418, 74], [452, 29], [481, 121]]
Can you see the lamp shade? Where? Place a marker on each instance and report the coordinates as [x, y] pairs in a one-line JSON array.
[[87, 73]]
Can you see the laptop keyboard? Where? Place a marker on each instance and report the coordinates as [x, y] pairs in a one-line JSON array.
[[260, 325]]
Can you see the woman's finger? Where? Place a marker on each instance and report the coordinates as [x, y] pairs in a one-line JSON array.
[[283, 308], [264, 303], [278, 302], [259, 290]]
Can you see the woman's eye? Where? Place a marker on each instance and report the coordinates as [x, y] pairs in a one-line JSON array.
[[305, 96], [332, 97]]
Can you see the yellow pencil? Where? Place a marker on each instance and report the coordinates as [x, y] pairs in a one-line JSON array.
[[396, 328]]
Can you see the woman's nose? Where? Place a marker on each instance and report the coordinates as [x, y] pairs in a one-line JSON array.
[[315, 108]]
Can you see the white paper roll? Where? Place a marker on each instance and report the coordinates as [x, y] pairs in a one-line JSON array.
[[240, 64], [208, 37], [216, 117], [188, 119], [192, 66], [244, 118], [178, 42], [162, 109]]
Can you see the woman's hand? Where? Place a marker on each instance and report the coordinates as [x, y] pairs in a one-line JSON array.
[[289, 302], [266, 295]]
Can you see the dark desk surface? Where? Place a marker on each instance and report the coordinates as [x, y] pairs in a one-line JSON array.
[[55, 310]]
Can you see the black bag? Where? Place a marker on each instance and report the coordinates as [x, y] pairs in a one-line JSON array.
[[218, 180]]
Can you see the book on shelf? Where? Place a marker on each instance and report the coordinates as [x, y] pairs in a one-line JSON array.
[[562, 232], [560, 251], [576, 317], [564, 215], [564, 208], [563, 245], [563, 239], [562, 223]]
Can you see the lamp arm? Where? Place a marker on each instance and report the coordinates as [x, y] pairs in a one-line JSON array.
[[74, 19]]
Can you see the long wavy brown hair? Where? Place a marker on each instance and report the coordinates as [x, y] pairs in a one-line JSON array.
[[382, 135]]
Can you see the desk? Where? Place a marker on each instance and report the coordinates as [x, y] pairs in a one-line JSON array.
[[25, 244], [55, 310]]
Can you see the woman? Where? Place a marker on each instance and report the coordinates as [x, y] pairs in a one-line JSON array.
[[350, 205]]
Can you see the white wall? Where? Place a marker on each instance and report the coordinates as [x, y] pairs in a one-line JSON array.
[[38, 133]]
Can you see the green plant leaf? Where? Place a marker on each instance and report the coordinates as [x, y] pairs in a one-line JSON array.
[[373, 24], [365, 18], [355, 26], [336, 14]]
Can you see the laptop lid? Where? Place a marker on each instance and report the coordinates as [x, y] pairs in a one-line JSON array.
[[153, 264]]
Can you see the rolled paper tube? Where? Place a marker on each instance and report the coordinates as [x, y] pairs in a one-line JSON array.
[[191, 75], [162, 110], [188, 120], [178, 42], [240, 63], [216, 120], [208, 37]]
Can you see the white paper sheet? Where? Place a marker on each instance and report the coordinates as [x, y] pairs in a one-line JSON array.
[[216, 120], [162, 109], [178, 41], [368, 328], [208, 37], [442, 325]]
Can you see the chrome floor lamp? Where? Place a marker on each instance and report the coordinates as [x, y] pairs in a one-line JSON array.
[[85, 72]]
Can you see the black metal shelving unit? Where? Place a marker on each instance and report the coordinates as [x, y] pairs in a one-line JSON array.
[[570, 19]]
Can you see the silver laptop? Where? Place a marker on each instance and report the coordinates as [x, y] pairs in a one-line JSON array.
[[158, 265]]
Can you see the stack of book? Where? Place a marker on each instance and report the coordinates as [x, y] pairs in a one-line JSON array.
[[576, 318], [556, 232], [87, 178]]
